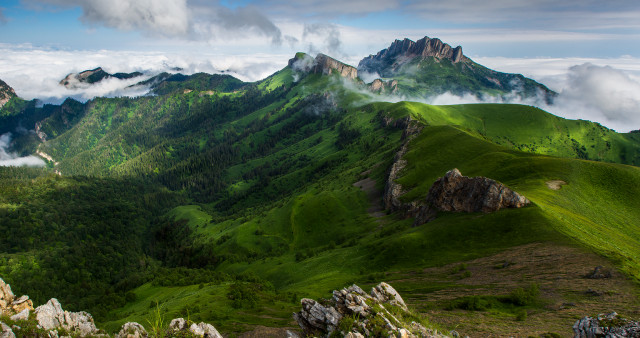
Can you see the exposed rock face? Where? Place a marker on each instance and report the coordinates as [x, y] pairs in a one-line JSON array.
[[88, 77], [132, 330], [326, 65], [6, 93], [401, 51], [202, 329], [380, 86], [370, 311], [9, 304], [393, 190], [609, 325], [322, 64], [51, 316], [455, 192]]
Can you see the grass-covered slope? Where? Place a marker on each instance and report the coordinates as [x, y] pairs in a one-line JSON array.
[[250, 193], [528, 129]]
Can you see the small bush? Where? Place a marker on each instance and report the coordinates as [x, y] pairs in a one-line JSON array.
[[524, 297]]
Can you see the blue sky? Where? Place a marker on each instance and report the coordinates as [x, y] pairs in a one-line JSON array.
[[534, 28], [587, 50]]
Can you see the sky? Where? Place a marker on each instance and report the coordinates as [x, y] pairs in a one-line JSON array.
[[587, 50]]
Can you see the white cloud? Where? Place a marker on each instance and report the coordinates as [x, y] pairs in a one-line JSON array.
[[194, 19], [36, 73], [12, 160]]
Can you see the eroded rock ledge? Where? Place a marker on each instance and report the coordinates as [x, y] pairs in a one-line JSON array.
[[53, 321], [351, 312]]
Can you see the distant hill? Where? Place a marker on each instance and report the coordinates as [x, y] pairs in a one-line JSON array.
[[89, 77]]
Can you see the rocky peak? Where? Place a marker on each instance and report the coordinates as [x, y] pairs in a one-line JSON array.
[[401, 51], [6, 93], [322, 64]]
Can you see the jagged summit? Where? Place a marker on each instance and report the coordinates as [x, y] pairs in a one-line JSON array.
[[322, 64], [6, 93], [88, 77], [401, 51]]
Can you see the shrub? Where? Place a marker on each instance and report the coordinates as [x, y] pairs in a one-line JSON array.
[[524, 297]]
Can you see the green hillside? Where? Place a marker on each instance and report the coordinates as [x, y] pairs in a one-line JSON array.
[[227, 202]]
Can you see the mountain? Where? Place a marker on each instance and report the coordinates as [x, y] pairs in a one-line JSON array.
[[89, 77], [430, 67], [226, 202], [6, 93]]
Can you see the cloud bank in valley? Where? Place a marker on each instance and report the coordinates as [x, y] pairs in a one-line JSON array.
[[8, 159], [35, 73]]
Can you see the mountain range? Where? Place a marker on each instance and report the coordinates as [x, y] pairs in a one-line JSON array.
[[228, 201]]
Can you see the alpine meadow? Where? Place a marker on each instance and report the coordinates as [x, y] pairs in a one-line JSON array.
[[212, 206]]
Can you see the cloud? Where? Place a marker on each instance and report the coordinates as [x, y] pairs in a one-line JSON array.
[[603, 94], [195, 19], [36, 72], [332, 43], [12, 160], [550, 14]]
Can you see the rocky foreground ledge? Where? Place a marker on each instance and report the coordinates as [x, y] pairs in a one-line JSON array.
[[19, 318], [350, 312]]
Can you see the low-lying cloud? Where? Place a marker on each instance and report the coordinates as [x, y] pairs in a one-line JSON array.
[[35, 73], [599, 93], [8, 159]]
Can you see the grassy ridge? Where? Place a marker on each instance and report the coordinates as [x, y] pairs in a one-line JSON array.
[[528, 129]]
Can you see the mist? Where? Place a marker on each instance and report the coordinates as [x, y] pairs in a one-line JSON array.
[[8, 159]]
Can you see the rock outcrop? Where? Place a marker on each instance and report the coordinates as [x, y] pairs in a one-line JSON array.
[[10, 305], [322, 64], [401, 51], [454, 192], [368, 314], [379, 86], [6, 93], [5, 331], [606, 325], [393, 190], [132, 330], [51, 316], [88, 77], [180, 325], [327, 65]]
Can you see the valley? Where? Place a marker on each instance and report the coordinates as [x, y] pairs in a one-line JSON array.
[[227, 202]]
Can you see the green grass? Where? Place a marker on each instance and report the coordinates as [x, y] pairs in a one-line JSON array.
[[528, 129], [598, 206], [209, 302], [192, 213]]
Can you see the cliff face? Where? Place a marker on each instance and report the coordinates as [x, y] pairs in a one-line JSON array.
[[327, 65], [6, 93], [322, 64], [401, 51]]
